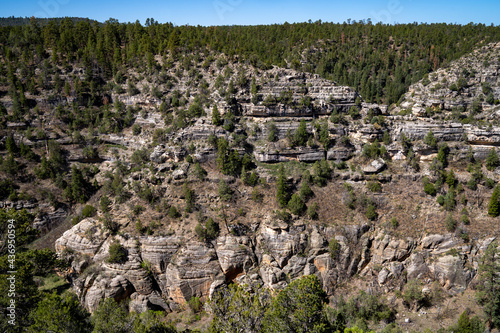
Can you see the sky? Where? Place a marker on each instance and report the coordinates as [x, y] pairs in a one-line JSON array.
[[247, 12]]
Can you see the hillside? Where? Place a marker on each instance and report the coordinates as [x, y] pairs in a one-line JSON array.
[[163, 177]]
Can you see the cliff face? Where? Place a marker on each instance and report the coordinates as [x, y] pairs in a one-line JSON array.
[[166, 269], [165, 272]]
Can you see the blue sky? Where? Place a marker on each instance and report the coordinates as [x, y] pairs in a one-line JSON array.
[[247, 12]]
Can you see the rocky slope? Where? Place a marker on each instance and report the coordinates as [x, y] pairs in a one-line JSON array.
[[166, 272], [167, 264]]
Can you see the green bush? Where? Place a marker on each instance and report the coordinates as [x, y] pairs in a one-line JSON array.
[[312, 211], [492, 160], [430, 140], [136, 129], [374, 186], [430, 189], [138, 209], [195, 304], [173, 212], [489, 183], [471, 184], [412, 295], [296, 205], [450, 223], [117, 253], [394, 223], [440, 200], [88, 211], [225, 192], [371, 213], [208, 232], [305, 191], [334, 249], [494, 204]]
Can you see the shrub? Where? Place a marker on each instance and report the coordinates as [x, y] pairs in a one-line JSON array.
[[450, 203], [450, 223], [296, 205], [489, 183], [412, 295], [257, 196], [136, 129], [334, 248], [374, 186], [492, 160], [138, 209], [189, 198], [212, 229], [430, 189], [430, 140], [305, 191], [450, 178], [109, 224], [371, 214], [465, 219], [225, 192], [208, 232], [273, 132], [394, 223], [471, 184], [494, 204], [312, 211], [117, 253], [195, 304], [252, 180], [173, 212], [88, 211], [105, 204], [199, 171]]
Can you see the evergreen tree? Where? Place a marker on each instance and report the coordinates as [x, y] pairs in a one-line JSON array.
[[430, 140], [60, 314], [301, 136], [282, 190], [488, 293], [494, 205], [298, 308], [296, 205], [450, 178], [216, 119], [492, 159]]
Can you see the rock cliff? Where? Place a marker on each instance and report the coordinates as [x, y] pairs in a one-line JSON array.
[[165, 272]]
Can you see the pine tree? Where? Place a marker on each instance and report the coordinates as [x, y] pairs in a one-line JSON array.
[[216, 120], [430, 140], [281, 193], [494, 205], [300, 136], [489, 285], [450, 178], [492, 160]]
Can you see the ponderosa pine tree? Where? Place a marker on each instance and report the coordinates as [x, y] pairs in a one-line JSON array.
[[216, 120], [282, 191], [494, 205]]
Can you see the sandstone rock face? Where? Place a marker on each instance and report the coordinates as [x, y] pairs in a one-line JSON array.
[[84, 238], [191, 272], [324, 96], [165, 272]]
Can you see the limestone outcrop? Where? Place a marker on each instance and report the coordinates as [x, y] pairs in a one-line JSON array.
[[165, 272]]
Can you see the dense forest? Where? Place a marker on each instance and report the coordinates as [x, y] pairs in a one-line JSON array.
[[380, 61]]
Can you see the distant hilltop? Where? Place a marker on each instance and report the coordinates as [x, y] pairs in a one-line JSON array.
[[19, 21]]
